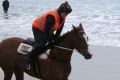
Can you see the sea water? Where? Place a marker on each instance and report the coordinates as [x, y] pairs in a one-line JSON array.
[[100, 18]]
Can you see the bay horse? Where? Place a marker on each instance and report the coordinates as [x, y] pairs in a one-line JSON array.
[[56, 67]]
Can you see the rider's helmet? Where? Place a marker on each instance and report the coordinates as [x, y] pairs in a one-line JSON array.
[[65, 7]]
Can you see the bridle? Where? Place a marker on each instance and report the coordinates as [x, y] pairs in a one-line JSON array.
[[67, 48]]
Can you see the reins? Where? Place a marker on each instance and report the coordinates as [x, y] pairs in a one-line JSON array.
[[64, 48]]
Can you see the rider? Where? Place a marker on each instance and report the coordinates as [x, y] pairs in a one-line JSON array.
[[43, 28]]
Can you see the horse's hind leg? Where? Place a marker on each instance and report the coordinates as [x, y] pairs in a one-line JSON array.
[[8, 72], [19, 73]]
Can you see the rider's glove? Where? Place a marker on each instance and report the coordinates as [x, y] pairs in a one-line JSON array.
[[51, 44]]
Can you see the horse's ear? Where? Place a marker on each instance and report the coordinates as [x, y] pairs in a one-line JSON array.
[[80, 26], [73, 27]]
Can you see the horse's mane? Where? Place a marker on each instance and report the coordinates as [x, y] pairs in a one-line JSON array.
[[63, 37]]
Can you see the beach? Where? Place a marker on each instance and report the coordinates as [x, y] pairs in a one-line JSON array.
[[104, 65], [101, 22]]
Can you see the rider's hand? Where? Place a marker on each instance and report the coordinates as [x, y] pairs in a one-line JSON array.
[[51, 44]]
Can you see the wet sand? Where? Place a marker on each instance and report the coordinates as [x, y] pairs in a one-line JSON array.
[[103, 66]]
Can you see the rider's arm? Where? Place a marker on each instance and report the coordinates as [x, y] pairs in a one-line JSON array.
[[58, 32], [50, 20]]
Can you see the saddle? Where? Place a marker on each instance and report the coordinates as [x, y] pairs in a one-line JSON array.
[[30, 41]]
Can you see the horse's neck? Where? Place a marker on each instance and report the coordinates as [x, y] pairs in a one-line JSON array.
[[63, 51], [66, 43]]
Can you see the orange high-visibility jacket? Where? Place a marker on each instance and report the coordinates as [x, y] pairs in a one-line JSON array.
[[39, 23]]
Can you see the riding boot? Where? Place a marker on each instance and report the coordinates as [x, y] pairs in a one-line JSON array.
[[33, 56]]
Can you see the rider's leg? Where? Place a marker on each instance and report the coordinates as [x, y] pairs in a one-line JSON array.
[[33, 56], [39, 47]]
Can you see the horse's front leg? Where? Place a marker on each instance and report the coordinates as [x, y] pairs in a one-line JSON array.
[[57, 76]]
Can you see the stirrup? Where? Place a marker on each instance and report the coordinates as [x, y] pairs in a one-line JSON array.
[[28, 67]]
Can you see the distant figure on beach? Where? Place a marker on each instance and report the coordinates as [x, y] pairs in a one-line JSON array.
[[5, 5]]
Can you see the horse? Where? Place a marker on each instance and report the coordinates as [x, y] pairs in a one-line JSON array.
[[56, 67]]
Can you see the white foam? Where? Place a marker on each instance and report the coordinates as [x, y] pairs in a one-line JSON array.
[[100, 22]]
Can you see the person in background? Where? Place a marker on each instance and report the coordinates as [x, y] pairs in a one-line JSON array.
[[5, 5], [43, 29]]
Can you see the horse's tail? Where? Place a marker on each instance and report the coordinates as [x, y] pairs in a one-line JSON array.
[[0, 48]]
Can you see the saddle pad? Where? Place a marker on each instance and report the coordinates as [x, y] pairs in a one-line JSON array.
[[24, 49]]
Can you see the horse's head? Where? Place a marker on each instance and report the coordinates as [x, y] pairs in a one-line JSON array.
[[80, 41]]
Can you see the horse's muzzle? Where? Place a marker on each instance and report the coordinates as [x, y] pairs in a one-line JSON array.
[[88, 56]]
